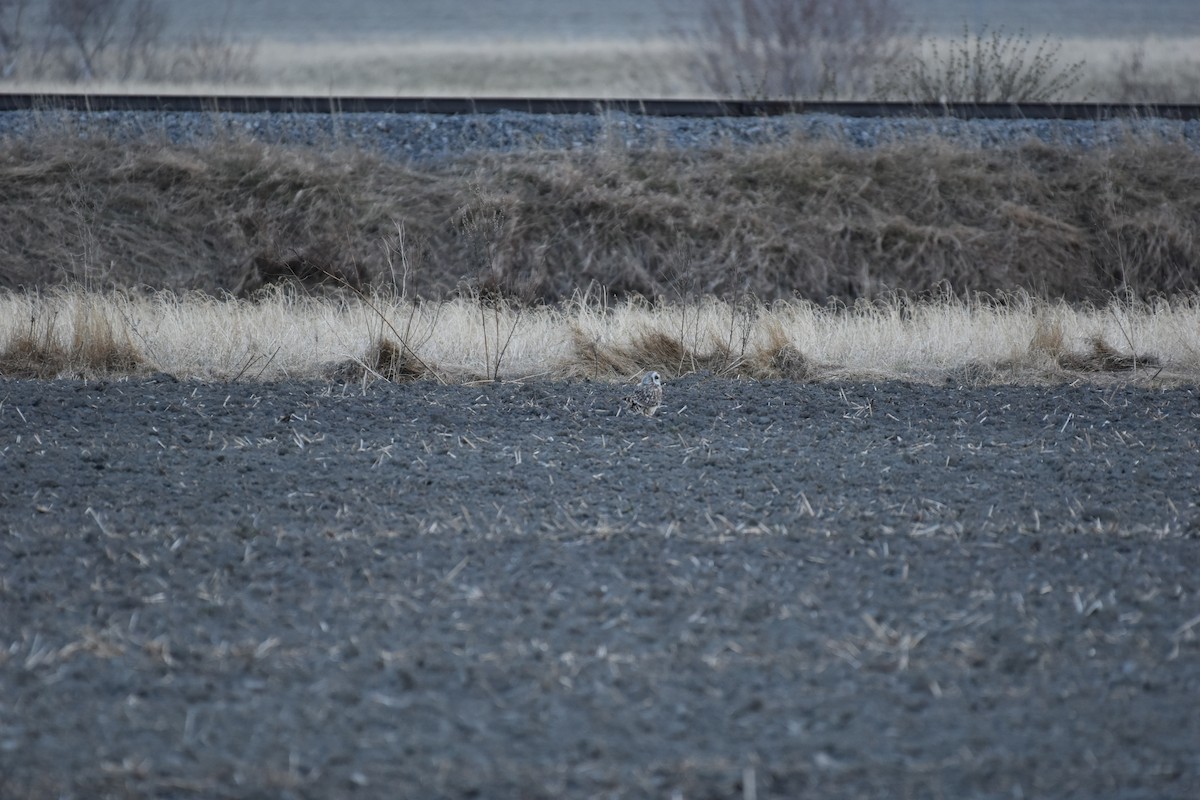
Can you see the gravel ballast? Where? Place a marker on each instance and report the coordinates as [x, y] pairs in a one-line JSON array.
[[769, 590], [430, 137]]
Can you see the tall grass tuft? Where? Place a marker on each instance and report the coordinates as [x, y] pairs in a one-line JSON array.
[[70, 335]]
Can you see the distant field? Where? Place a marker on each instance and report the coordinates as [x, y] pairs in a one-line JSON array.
[[562, 48], [634, 19], [1114, 69], [547, 67]]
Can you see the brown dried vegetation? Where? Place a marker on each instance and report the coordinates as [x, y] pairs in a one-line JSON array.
[[668, 354], [1049, 341], [95, 347], [384, 360], [818, 220]]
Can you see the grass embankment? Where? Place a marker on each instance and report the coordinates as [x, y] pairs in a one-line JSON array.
[[818, 220], [488, 256]]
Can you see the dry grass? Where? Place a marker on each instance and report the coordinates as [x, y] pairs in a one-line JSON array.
[[80, 338], [488, 256], [814, 219], [284, 336]]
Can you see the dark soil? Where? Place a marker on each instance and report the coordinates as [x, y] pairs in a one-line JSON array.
[[769, 590]]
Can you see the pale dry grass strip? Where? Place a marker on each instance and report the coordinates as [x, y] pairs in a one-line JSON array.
[[287, 335]]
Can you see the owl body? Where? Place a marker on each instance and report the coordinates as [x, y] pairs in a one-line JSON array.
[[648, 395]]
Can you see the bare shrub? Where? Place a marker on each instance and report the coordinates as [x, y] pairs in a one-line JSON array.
[[140, 40], [113, 40], [1135, 79], [82, 32], [486, 230], [795, 49], [213, 56], [13, 21], [995, 67]]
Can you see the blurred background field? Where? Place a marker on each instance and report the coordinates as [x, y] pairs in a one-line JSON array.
[[622, 48], [307, 20]]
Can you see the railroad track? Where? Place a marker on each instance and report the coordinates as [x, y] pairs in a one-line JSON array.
[[277, 104]]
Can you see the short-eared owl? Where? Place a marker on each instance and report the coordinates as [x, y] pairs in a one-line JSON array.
[[648, 396]]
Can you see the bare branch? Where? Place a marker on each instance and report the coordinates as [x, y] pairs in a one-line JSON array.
[[796, 49]]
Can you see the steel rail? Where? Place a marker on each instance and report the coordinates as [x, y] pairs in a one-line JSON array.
[[279, 104]]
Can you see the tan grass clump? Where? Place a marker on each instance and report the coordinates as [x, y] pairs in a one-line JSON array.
[[780, 358], [707, 336], [1103, 357], [1096, 355], [385, 360], [91, 344]]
